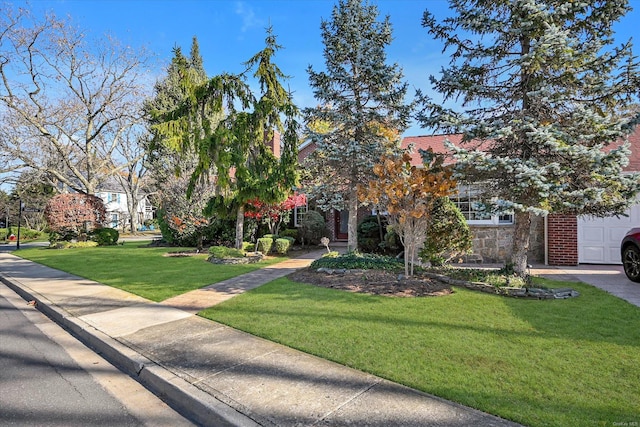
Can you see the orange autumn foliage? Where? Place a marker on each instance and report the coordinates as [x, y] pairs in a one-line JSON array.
[[407, 194]]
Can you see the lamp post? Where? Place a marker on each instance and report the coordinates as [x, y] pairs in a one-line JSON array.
[[19, 222], [6, 222]]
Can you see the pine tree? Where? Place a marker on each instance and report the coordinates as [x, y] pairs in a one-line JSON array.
[[171, 161], [544, 94], [361, 99]]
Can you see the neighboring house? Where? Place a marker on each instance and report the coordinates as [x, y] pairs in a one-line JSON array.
[[115, 201], [555, 239]]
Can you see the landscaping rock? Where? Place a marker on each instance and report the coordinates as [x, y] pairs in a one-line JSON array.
[[515, 292], [562, 293]]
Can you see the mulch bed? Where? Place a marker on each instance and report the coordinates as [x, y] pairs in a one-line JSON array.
[[376, 282], [184, 253]]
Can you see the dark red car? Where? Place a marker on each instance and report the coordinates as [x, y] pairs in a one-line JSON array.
[[630, 250]]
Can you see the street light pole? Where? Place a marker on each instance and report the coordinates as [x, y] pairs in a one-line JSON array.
[[19, 222]]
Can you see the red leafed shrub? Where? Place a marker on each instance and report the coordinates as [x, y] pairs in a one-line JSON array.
[[274, 214], [74, 213]]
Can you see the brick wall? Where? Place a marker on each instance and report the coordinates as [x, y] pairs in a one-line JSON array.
[[562, 239]]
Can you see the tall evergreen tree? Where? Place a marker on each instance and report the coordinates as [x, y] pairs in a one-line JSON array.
[[238, 146], [361, 99], [544, 94], [171, 160]]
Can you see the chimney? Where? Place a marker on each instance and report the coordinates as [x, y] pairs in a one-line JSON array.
[[274, 144]]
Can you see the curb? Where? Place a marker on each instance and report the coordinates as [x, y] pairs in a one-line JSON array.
[[184, 397]]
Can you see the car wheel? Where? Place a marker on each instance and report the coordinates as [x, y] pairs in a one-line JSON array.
[[631, 263]]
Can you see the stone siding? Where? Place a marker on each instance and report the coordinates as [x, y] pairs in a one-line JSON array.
[[493, 243]]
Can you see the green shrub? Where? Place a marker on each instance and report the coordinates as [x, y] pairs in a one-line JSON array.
[[448, 234], [223, 252], [312, 228], [248, 247], [25, 233], [290, 232], [355, 260], [105, 236], [72, 245], [284, 244], [264, 245], [374, 237], [62, 235], [218, 232]]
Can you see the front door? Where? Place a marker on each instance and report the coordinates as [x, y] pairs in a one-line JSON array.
[[342, 224]]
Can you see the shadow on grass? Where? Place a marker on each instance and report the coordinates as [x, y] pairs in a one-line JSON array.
[[551, 355], [595, 316]]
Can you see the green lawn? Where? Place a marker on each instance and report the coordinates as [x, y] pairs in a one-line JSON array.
[[569, 362], [140, 269], [540, 363]]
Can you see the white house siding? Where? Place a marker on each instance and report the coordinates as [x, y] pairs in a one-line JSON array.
[[117, 211]]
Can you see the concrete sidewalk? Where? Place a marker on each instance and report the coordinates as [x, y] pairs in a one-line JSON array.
[[216, 375]]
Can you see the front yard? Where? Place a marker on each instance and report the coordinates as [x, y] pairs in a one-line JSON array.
[[139, 269], [540, 363], [572, 362]]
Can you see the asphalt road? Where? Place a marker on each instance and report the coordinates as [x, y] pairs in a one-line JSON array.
[[49, 378]]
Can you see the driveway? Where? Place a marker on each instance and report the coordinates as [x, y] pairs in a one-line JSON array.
[[610, 278]]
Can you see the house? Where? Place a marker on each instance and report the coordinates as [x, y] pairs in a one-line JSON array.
[[585, 240], [555, 239], [492, 235], [115, 202]]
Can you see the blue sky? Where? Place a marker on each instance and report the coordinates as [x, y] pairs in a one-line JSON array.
[[230, 32]]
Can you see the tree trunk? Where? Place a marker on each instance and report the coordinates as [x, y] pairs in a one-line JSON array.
[[380, 230], [240, 227], [403, 240], [200, 240], [132, 207], [352, 229], [521, 238]]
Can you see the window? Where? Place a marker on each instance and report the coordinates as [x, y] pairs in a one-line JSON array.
[[470, 203], [114, 220], [299, 212]]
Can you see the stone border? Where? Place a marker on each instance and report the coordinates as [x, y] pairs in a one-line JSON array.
[[531, 293]]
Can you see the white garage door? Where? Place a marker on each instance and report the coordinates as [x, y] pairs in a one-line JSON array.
[[599, 238]]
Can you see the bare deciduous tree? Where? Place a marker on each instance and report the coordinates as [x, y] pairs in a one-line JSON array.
[[131, 161], [65, 103]]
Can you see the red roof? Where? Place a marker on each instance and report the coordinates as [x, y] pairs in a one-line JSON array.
[[436, 143], [634, 157]]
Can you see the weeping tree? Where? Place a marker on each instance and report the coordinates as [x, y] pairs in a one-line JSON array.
[[239, 152], [361, 109], [543, 94]]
